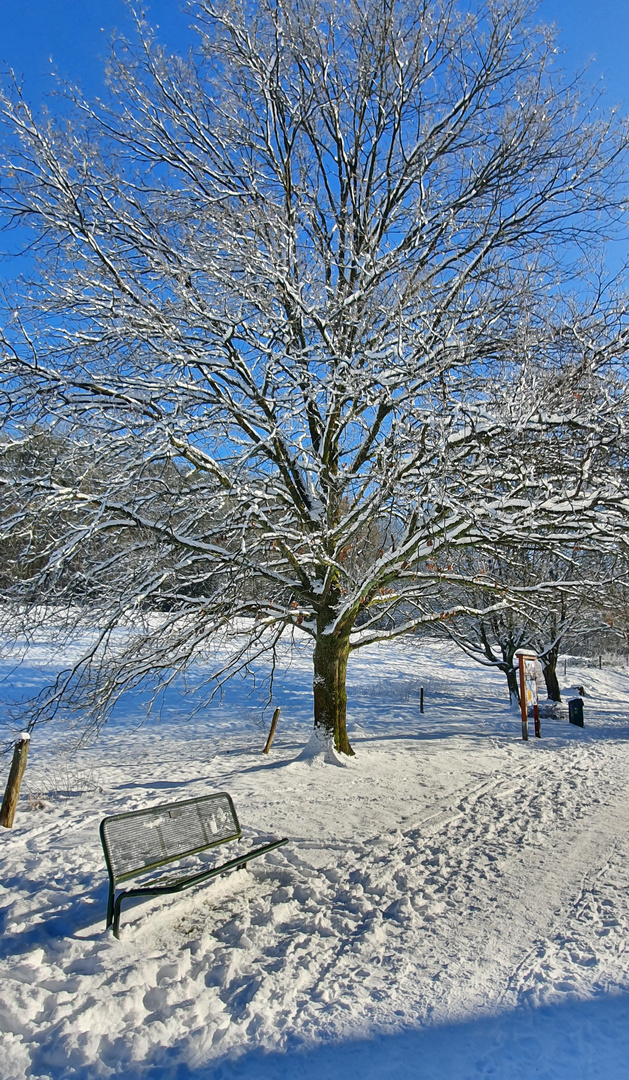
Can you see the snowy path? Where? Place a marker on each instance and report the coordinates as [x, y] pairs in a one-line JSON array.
[[453, 895]]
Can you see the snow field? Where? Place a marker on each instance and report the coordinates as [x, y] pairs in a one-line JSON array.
[[453, 903]]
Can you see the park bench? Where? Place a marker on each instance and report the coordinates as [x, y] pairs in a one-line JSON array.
[[140, 841]]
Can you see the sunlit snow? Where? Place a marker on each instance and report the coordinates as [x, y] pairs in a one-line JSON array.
[[453, 904]]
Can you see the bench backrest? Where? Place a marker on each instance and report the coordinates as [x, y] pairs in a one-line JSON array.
[[142, 840]]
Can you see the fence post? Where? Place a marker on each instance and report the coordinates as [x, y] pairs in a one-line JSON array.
[[276, 716], [16, 772]]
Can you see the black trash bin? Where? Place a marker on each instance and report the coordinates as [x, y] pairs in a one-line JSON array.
[[575, 711]]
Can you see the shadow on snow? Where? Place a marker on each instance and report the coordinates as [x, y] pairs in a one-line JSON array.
[[578, 1040]]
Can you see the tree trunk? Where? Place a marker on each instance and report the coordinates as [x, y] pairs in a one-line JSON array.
[[549, 668], [512, 681], [508, 646], [330, 696]]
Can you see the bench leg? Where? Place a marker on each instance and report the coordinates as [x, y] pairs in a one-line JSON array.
[[116, 917], [110, 907]]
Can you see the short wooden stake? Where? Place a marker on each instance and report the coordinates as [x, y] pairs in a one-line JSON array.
[[16, 772], [276, 716], [421, 699]]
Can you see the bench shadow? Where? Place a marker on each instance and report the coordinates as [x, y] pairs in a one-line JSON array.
[[82, 911]]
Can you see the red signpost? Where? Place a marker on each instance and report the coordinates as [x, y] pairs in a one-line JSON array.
[[527, 662]]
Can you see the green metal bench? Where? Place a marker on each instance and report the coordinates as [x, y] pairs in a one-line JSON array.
[[143, 840]]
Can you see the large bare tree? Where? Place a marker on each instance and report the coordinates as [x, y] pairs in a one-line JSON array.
[[299, 314]]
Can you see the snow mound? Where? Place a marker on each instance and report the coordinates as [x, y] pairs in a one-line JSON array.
[[552, 710], [576, 691], [320, 750]]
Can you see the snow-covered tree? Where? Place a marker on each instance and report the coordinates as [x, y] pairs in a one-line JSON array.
[[299, 299]]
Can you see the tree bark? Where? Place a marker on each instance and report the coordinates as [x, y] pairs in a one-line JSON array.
[[549, 668], [330, 695], [512, 681]]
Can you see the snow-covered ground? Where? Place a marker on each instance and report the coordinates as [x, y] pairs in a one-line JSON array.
[[453, 904]]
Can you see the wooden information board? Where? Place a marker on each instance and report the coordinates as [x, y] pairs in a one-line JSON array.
[[527, 662]]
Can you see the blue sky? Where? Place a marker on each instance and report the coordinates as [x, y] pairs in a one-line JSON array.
[[594, 32], [69, 31]]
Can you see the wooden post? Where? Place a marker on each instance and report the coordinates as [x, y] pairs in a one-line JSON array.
[[421, 699], [600, 661], [16, 772], [276, 716]]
